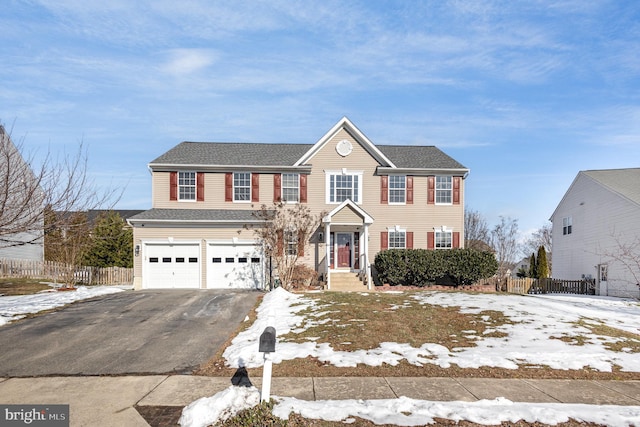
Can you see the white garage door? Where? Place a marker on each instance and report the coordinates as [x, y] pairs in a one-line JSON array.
[[169, 266], [235, 266]]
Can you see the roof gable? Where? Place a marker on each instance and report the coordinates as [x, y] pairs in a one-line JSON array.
[[357, 135]]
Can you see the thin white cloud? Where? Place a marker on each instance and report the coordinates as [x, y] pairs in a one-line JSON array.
[[188, 61]]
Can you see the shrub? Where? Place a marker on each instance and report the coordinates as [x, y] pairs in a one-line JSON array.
[[422, 267]]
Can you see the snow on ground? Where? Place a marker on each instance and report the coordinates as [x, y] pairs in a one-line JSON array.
[[535, 323], [533, 326], [16, 307], [404, 411]]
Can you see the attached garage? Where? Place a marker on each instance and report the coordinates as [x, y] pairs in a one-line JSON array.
[[171, 266], [234, 265]]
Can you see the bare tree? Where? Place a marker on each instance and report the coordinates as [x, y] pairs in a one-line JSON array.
[[540, 237], [476, 231], [504, 240], [285, 234], [58, 184], [626, 252]]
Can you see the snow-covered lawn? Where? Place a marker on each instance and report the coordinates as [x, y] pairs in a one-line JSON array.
[[531, 336], [16, 307]]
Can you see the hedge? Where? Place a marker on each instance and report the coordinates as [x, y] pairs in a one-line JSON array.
[[421, 267]]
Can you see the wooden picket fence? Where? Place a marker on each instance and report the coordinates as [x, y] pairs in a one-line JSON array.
[[527, 285], [55, 271]]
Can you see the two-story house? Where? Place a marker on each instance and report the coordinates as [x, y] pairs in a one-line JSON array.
[[596, 231], [375, 197]]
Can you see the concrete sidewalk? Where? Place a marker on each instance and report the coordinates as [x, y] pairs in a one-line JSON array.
[[110, 401]]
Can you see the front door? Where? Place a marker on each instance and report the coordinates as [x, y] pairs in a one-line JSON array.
[[344, 249]]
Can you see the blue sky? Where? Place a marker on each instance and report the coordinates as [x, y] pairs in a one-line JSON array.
[[525, 94]]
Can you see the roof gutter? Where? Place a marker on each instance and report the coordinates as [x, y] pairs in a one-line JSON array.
[[171, 167], [383, 170]]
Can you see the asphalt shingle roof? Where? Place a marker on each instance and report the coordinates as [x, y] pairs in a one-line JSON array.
[[234, 215], [252, 154], [623, 181]]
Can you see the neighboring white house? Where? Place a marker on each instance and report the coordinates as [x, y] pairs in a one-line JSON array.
[[596, 223], [17, 207]]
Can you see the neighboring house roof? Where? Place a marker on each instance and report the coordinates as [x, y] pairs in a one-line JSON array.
[[196, 215], [94, 214], [624, 182], [239, 154]]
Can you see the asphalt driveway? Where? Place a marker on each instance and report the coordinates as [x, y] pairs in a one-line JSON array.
[[131, 332]]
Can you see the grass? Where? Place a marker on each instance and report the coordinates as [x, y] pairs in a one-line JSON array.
[[353, 321], [21, 286]]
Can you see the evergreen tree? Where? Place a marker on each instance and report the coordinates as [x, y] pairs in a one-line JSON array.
[[533, 270], [112, 243], [542, 267]]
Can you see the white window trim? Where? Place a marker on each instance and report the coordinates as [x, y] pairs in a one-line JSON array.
[[389, 191], [344, 171], [293, 202], [443, 229], [233, 178], [569, 225], [293, 232], [435, 191], [396, 229], [195, 187]]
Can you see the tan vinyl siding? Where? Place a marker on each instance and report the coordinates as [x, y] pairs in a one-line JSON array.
[[213, 193], [346, 216]]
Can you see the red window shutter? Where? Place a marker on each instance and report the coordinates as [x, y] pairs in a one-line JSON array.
[[303, 188], [409, 190], [456, 190], [384, 189], [228, 187], [255, 187], [200, 186], [279, 242], [409, 242], [384, 240], [277, 187], [431, 240], [456, 239], [431, 190], [300, 243], [173, 185]]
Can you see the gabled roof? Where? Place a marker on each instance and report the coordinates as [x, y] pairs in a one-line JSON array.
[[623, 182], [297, 156], [366, 218]]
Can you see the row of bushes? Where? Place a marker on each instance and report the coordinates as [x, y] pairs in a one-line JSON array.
[[421, 267]]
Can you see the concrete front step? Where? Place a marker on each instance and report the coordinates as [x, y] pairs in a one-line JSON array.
[[346, 282]]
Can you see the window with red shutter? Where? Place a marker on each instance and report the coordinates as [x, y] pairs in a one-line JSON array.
[[200, 186], [255, 187], [431, 190], [277, 187], [409, 190], [228, 187], [384, 189], [384, 240], [173, 186]]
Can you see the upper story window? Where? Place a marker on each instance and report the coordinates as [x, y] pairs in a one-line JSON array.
[[344, 185], [566, 225], [397, 239], [444, 189], [397, 188], [443, 239], [291, 187], [186, 186], [241, 186]]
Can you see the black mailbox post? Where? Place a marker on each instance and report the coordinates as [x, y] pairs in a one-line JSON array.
[[268, 340]]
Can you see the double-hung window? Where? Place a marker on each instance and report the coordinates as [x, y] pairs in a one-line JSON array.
[[241, 186], [186, 186], [397, 239], [566, 225], [443, 239], [291, 241], [291, 187], [397, 188], [344, 185], [444, 189]]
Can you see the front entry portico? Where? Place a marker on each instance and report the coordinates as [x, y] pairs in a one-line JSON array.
[[347, 231]]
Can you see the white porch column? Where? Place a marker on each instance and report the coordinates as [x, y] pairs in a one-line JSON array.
[[366, 255], [327, 246]]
